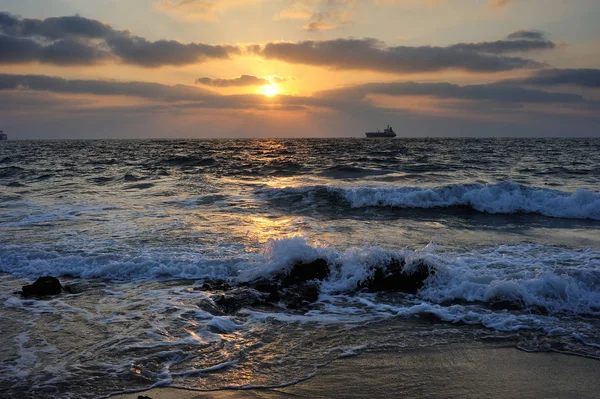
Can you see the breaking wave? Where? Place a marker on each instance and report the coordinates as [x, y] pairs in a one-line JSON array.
[[526, 276], [499, 198]]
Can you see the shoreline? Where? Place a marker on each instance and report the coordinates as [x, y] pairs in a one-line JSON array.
[[452, 371]]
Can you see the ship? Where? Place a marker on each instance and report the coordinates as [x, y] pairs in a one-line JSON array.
[[3, 137], [387, 132]]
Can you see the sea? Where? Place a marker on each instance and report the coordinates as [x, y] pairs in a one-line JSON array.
[[141, 230]]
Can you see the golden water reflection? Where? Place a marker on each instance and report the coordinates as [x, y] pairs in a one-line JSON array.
[[261, 229]]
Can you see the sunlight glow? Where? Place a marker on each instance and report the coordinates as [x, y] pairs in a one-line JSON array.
[[270, 90]]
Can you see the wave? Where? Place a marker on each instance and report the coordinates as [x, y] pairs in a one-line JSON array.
[[11, 172], [543, 278], [541, 291], [499, 198]]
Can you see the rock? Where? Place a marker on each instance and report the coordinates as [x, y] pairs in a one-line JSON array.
[[297, 289], [210, 307], [300, 296], [43, 286], [267, 287], [143, 397], [214, 285], [392, 277], [234, 300], [303, 272]]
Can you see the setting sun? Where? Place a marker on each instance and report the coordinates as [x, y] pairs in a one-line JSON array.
[[270, 90]]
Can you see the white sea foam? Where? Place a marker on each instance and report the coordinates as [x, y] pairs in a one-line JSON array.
[[223, 324], [503, 198], [550, 278]]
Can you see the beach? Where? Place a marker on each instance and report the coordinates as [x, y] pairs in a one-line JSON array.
[[455, 371]]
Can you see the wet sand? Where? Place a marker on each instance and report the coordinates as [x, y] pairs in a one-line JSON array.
[[456, 371]]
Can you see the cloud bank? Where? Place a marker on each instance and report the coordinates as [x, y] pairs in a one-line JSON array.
[[586, 78], [77, 40], [240, 81], [498, 92], [80, 41], [371, 54]]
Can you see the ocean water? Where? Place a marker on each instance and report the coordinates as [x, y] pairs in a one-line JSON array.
[[135, 228]]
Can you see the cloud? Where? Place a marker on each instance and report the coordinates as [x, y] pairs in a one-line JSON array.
[[53, 28], [527, 34], [499, 3], [81, 41], [371, 54], [354, 96], [243, 80], [198, 9], [45, 101], [518, 41], [586, 78], [500, 93], [148, 90], [321, 14], [136, 50], [177, 96], [14, 50]]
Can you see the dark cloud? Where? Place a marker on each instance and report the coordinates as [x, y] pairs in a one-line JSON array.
[[587, 78], [53, 28], [139, 51], [148, 90], [506, 46], [349, 98], [527, 35], [489, 92], [77, 40], [244, 80], [499, 3], [14, 50], [371, 54], [72, 52]]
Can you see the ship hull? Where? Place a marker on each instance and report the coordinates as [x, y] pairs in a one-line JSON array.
[[380, 135]]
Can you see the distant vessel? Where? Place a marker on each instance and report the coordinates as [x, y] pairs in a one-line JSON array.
[[387, 132], [3, 137]]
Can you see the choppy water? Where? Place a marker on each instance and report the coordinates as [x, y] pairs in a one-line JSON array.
[[512, 227]]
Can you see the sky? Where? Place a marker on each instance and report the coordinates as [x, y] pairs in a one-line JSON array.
[[80, 69]]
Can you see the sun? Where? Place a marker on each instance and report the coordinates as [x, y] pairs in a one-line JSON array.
[[270, 90]]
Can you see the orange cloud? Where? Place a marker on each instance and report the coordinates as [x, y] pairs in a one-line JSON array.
[[321, 14], [499, 3], [199, 9]]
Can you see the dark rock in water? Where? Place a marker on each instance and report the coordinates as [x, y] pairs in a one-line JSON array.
[[300, 296], [214, 285], [392, 277], [300, 273], [238, 298], [43, 286], [267, 287], [297, 289], [74, 288], [210, 307]]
